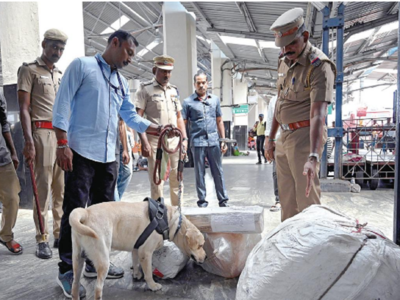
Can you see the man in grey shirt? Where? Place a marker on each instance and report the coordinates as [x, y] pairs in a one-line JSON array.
[[9, 184]]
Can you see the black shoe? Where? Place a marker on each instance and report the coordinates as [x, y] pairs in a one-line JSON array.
[[224, 204], [56, 243], [266, 161], [202, 203], [113, 271], [258, 163], [43, 250]]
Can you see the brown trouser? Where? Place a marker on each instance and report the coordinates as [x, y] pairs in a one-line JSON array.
[[9, 189], [292, 151], [49, 181], [157, 190]]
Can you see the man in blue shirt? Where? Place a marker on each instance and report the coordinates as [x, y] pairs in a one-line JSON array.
[[203, 111], [85, 118]]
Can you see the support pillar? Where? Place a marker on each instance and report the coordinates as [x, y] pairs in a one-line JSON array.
[[337, 132], [22, 25], [179, 27]]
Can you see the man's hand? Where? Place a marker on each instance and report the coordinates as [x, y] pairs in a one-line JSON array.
[[125, 157], [64, 158], [185, 149], [309, 171], [224, 148], [146, 149], [269, 151], [29, 152], [15, 160]]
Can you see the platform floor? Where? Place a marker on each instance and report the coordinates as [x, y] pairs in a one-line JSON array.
[[27, 277]]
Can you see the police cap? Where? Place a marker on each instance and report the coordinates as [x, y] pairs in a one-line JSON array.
[[287, 25]]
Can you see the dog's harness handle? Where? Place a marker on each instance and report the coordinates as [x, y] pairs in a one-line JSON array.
[[158, 214]]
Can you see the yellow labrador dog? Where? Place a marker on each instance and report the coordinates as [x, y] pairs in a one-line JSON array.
[[117, 225]]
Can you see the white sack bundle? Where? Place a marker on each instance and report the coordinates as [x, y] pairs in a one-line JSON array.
[[168, 261], [322, 254]]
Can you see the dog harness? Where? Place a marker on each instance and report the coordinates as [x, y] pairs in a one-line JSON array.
[[158, 214]]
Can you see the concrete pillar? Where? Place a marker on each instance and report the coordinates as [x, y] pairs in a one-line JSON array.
[[240, 97], [217, 57], [179, 27], [22, 25]]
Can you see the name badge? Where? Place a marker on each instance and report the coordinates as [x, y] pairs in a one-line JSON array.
[[44, 77], [281, 74], [157, 95]]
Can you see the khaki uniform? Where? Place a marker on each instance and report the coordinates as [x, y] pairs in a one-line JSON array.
[[161, 106], [308, 80], [35, 78], [9, 190]]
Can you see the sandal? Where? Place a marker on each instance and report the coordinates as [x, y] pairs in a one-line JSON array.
[[275, 207], [16, 249]]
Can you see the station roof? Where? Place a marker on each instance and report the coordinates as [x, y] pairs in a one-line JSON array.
[[242, 31]]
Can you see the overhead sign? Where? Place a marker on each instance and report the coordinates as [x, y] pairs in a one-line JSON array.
[[242, 109]]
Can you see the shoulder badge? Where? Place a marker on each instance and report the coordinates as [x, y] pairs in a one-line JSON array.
[[314, 59]]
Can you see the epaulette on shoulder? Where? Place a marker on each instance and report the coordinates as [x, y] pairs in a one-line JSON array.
[[30, 63], [315, 60], [147, 83]]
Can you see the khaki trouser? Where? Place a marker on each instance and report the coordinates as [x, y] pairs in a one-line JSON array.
[[292, 151], [49, 181], [9, 189], [157, 190]]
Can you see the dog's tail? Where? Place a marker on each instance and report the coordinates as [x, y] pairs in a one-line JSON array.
[[77, 220]]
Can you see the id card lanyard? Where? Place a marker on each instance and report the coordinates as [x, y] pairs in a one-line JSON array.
[[116, 88]]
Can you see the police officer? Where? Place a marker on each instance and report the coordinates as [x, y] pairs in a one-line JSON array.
[[159, 101], [305, 84], [38, 82]]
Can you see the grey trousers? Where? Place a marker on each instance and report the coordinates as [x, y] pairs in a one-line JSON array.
[[213, 155]]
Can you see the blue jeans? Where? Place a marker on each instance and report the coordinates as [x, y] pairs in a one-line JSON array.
[[124, 176], [213, 155]]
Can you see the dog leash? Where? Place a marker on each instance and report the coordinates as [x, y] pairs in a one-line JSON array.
[[167, 130]]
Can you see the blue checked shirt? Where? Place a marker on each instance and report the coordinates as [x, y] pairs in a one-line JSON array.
[[87, 108], [202, 116]]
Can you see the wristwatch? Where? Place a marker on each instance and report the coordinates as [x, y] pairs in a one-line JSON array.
[[315, 155]]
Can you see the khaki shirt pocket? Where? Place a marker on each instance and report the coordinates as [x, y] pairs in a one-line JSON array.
[[297, 92], [158, 102], [46, 85]]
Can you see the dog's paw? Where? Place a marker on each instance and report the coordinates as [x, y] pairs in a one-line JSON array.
[[137, 274], [155, 287]]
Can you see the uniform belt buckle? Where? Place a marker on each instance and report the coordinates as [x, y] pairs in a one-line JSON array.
[[285, 126]]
